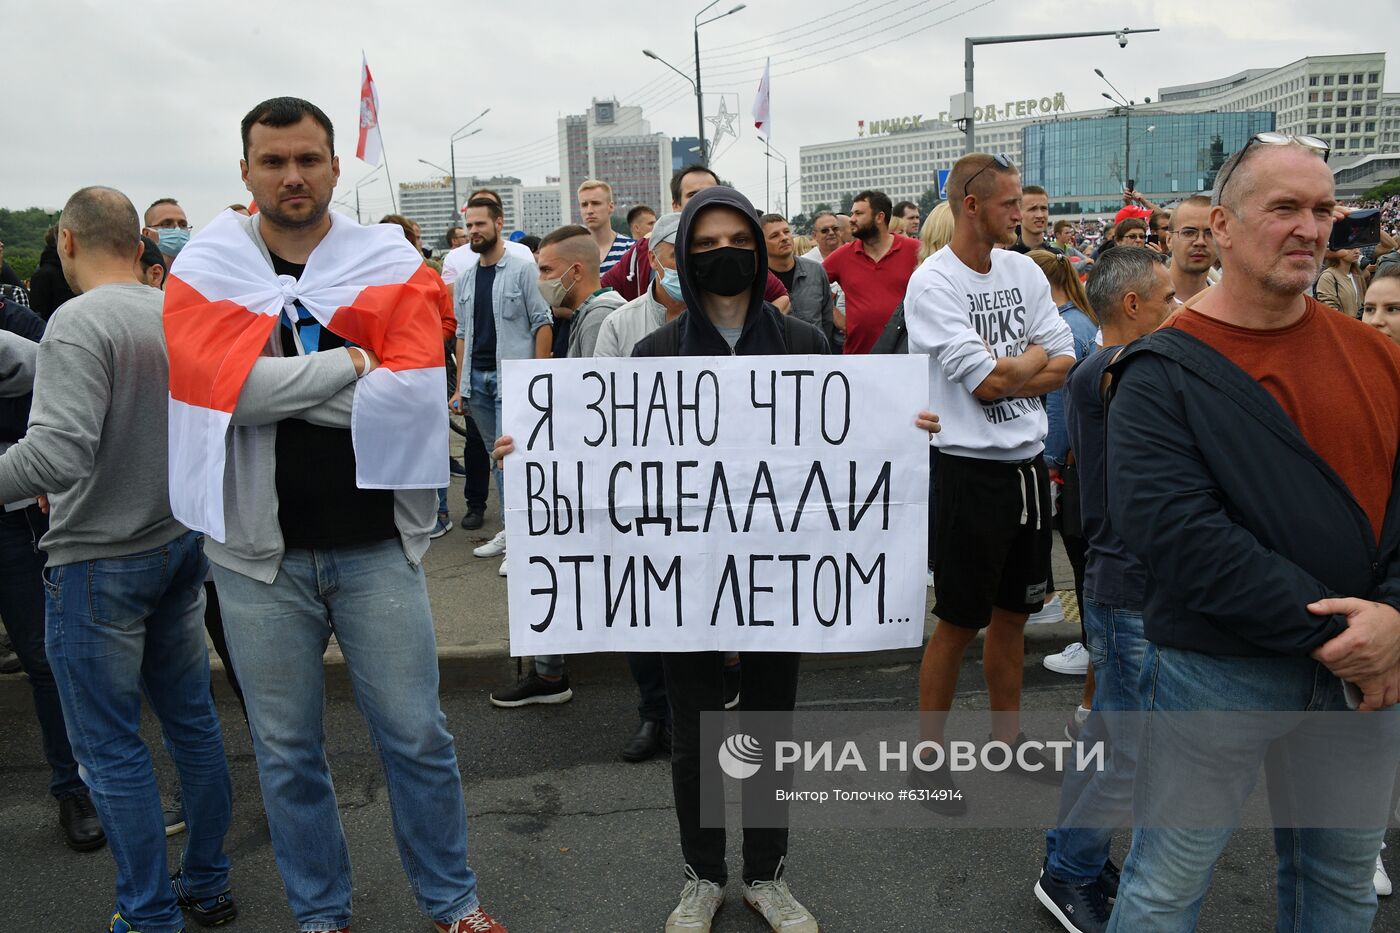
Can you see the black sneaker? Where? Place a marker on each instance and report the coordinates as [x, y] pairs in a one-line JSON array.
[[1080, 908], [651, 738], [454, 466], [732, 680], [9, 662], [937, 791], [1108, 880], [81, 827], [175, 814], [1045, 774], [534, 689], [210, 911], [474, 517]]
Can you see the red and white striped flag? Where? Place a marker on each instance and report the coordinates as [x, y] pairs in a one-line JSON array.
[[222, 306], [761, 101], [371, 143]]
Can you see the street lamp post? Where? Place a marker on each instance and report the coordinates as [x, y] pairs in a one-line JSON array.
[[695, 81], [1127, 107], [770, 153], [358, 184], [460, 134], [971, 42]]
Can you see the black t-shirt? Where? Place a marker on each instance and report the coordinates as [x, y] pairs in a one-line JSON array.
[[786, 277], [1047, 244], [484, 329], [318, 503]]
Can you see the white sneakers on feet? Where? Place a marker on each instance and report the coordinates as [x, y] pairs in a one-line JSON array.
[[1074, 660], [775, 903], [493, 548], [1382, 880], [930, 579], [502, 571], [700, 900], [1048, 614]]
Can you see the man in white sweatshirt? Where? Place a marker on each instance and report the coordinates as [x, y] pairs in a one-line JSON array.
[[995, 345]]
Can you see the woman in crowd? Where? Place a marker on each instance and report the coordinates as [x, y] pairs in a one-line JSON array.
[[1341, 284]]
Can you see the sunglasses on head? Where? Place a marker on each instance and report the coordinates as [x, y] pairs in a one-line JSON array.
[[1000, 159], [1276, 139]]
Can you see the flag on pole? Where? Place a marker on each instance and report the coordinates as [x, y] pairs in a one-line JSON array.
[[223, 302], [760, 103], [371, 144]]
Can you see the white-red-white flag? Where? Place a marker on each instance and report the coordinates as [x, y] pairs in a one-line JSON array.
[[370, 145], [761, 102], [223, 302]]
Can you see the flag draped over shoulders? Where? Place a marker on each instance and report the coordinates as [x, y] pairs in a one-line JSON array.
[[223, 302]]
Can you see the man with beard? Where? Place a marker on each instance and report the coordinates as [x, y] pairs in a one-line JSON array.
[[873, 270], [1192, 247], [501, 315], [300, 548]]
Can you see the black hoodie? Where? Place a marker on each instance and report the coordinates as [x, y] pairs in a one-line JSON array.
[[766, 331], [48, 289]]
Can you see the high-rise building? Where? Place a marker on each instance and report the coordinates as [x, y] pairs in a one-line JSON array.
[[613, 143]]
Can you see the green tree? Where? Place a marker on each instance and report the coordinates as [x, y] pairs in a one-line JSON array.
[[1384, 190], [847, 200], [928, 201], [22, 232]]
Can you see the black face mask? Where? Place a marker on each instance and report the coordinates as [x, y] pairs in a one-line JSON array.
[[726, 271]]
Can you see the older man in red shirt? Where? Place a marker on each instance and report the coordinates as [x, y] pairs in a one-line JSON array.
[[873, 270]]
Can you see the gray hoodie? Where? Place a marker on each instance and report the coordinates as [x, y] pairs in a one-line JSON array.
[[318, 388]]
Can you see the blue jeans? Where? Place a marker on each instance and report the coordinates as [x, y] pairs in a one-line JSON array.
[[485, 403], [22, 609], [376, 604], [1092, 801], [117, 627], [1324, 875]]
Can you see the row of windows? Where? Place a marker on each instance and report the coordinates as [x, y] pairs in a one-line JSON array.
[[1373, 77], [1325, 96], [1356, 111], [1315, 128]]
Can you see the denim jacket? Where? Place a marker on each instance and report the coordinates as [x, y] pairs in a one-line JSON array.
[[1057, 437], [519, 308]]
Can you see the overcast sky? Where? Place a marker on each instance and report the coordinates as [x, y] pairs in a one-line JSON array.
[[148, 98]]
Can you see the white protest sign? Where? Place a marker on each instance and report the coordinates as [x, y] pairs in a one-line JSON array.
[[716, 503]]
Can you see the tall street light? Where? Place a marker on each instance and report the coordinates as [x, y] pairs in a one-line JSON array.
[[361, 182], [971, 42], [460, 134], [1127, 106], [699, 105], [770, 153]]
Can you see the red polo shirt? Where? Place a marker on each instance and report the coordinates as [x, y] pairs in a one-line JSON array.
[[873, 289]]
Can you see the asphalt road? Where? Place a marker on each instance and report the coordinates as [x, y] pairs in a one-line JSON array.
[[566, 837]]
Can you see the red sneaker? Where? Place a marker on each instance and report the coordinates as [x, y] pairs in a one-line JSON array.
[[478, 921]]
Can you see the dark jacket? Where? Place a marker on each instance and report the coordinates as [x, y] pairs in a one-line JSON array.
[[766, 330], [48, 289], [1239, 522], [14, 412]]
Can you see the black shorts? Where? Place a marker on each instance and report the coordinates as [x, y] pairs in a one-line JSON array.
[[992, 540]]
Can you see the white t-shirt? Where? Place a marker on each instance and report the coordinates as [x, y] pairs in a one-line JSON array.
[[462, 258], [953, 313]]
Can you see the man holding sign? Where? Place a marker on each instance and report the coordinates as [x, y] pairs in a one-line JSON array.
[[743, 436]]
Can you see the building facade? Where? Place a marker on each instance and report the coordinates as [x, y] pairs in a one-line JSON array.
[[1339, 98], [1084, 164], [541, 209], [430, 203], [614, 143]]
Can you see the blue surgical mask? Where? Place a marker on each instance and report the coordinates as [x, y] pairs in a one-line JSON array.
[[173, 239], [671, 281]]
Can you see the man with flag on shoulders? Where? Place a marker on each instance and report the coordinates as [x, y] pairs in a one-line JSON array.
[[307, 442]]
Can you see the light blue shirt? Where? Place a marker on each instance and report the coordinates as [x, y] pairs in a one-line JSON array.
[[519, 308]]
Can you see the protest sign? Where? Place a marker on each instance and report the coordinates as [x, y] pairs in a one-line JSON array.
[[695, 504]]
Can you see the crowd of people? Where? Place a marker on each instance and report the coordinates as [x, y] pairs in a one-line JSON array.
[[178, 458]]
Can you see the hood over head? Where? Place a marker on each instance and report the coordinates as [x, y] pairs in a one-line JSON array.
[[698, 326]]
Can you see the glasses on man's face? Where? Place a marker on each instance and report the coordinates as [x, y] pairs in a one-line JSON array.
[[1189, 234], [171, 223], [828, 231], [1000, 159], [1276, 139]]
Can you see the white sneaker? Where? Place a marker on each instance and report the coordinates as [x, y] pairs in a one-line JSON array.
[[1074, 660], [493, 548], [775, 903], [700, 900], [1049, 614], [502, 572], [1382, 880], [930, 579]]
